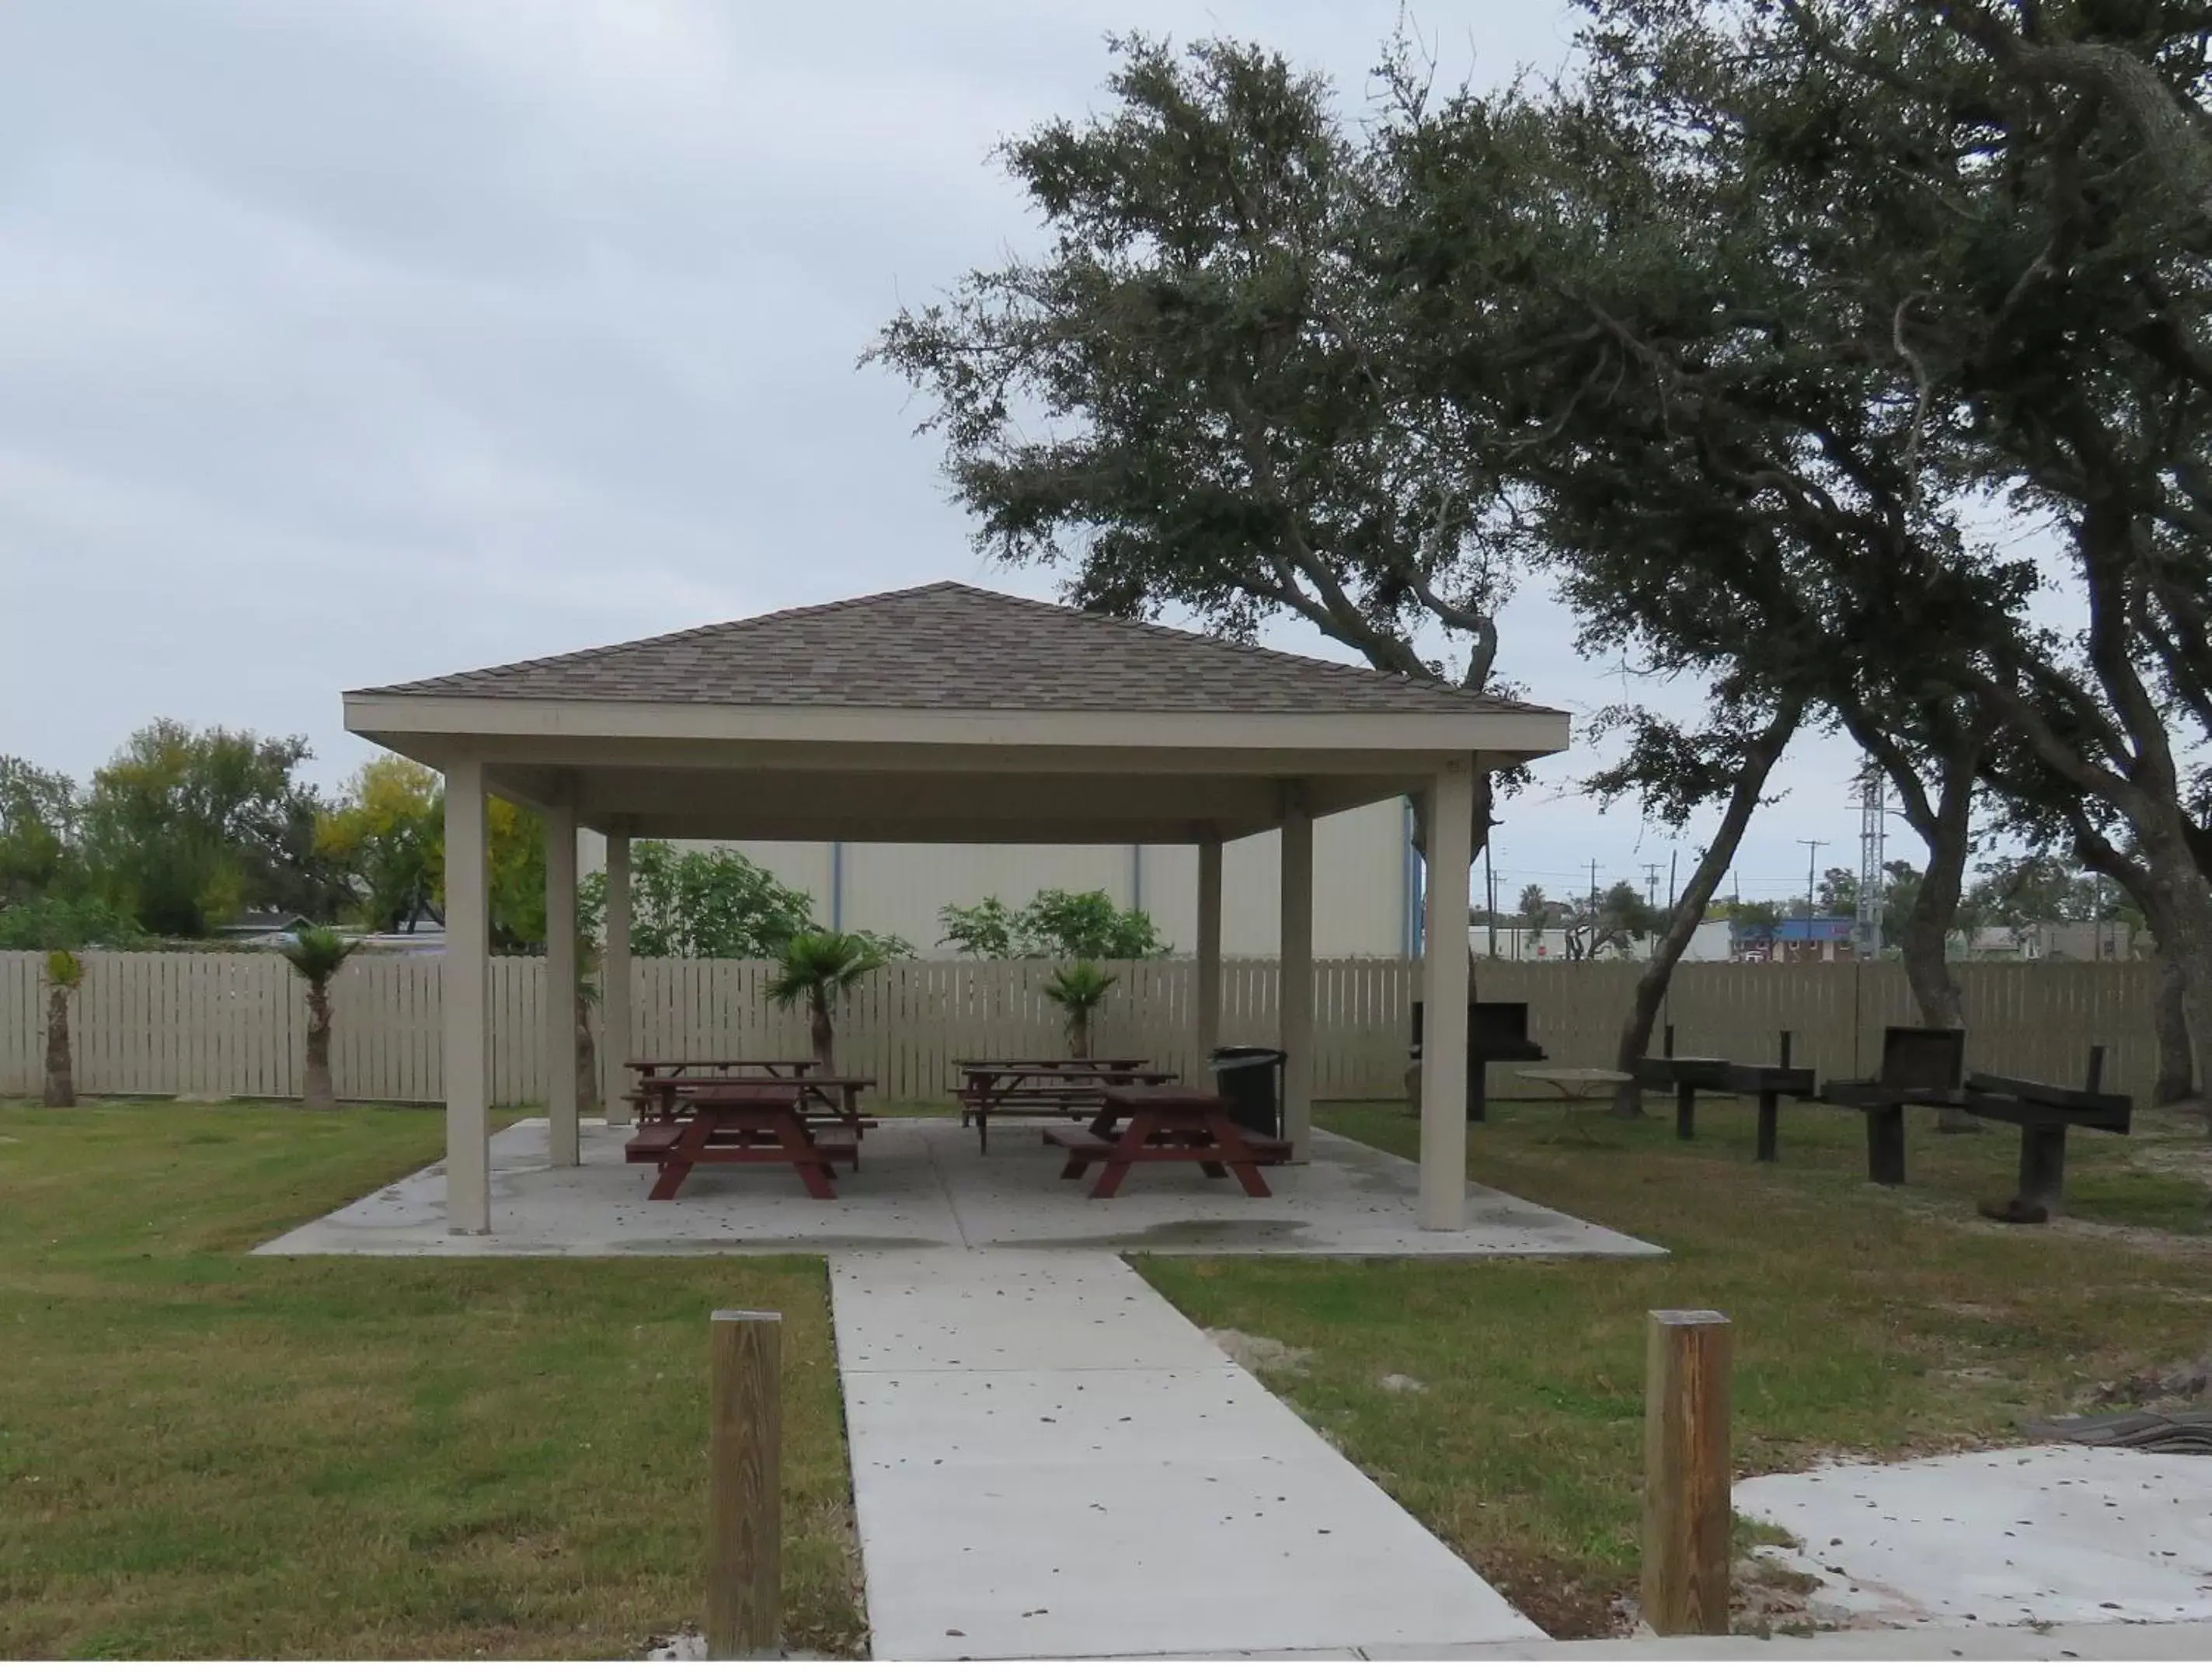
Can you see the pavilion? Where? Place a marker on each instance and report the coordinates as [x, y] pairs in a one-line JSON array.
[[944, 712]]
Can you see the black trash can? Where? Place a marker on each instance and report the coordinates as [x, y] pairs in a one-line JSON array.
[[1250, 1076]]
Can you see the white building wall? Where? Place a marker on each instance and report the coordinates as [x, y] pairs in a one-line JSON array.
[[1360, 869]]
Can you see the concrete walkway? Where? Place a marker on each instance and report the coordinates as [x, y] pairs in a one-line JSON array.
[[1928, 1643], [1050, 1461]]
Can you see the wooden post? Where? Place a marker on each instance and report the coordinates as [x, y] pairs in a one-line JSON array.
[[1886, 1144], [744, 1549], [1687, 1517]]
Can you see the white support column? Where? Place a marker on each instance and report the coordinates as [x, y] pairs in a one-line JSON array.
[[561, 1142], [1297, 979], [466, 979], [1444, 1000], [614, 978], [1207, 999]]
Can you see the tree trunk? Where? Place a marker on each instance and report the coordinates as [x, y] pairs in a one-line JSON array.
[[2176, 1078], [1078, 1033], [824, 1033], [61, 1079], [319, 1091], [1927, 927], [2179, 908], [1690, 909], [588, 1060]]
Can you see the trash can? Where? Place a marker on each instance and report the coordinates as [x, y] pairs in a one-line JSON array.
[[1250, 1076]]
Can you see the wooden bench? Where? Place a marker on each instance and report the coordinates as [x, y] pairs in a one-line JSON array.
[[652, 1143], [1088, 1143], [1920, 1067], [1769, 1082], [1685, 1076], [2043, 1112]]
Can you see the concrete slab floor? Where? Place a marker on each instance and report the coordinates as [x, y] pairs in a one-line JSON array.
[[1049, 1460], [2049, 1533], [923, 1184]]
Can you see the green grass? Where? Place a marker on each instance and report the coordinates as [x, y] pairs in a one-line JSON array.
[[1883, 1322], [206, 1454]]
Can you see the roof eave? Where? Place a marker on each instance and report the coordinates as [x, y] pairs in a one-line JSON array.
[[462, 726]]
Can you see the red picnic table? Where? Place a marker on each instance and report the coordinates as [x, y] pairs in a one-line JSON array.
[[673, 1067], [1145, 1123], [750, 1124], [658, 1093], [747, 1119], [1042, 1085]]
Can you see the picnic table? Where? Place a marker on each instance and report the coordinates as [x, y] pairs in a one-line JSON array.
[[739, 1122], [1165, 1123], [1577, 1085], [836, 1095], [672, 1067], [1067, 1086]]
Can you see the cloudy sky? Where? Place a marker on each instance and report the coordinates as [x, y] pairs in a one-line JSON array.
[[349, 342]]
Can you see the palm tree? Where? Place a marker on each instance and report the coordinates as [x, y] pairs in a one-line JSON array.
[[318, 954], [1534, 907], [64, 973], [818, 966], [1078, 989]]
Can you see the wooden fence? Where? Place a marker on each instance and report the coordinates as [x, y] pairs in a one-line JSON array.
[[155, 1024]]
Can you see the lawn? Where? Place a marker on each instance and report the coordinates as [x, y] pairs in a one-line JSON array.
[[206, 1454], [1872, 1321]]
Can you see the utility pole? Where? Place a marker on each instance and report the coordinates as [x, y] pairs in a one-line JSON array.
[[1873, 811], [1490, 896], [1651, 885], [1674, 894], [1811, 862], [1593, 895]]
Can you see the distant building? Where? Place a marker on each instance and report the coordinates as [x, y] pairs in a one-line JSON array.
[[1709, 944], [1794, 941], [1366, 883]]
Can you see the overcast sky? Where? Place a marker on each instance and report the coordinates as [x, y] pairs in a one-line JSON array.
[[347, 342]]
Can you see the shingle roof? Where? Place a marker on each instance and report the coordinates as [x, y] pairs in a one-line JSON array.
[[950, 646]]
